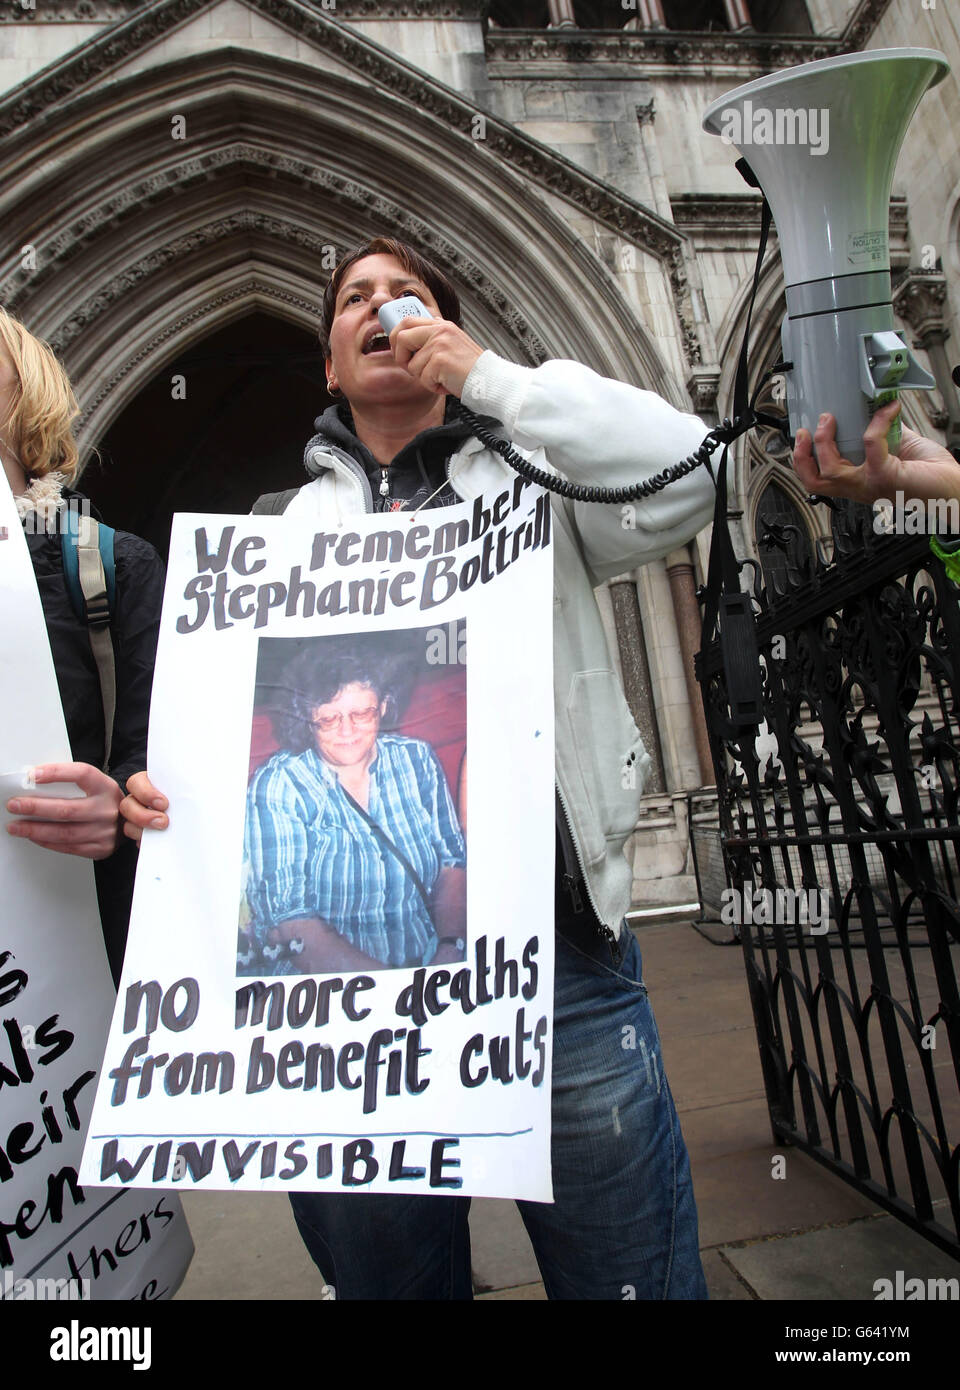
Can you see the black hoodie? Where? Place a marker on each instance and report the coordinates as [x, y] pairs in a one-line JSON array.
[[417, 471], [134, 627]]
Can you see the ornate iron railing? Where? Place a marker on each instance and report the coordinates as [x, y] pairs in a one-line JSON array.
[[851, 790]]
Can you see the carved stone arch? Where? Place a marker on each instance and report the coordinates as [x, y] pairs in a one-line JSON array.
[[951, 228], [162, 338], [149, 245], [790, 484]]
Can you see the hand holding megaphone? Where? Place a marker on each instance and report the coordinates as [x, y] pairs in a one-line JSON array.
[[822, 141], [438, 353], [921, 469]]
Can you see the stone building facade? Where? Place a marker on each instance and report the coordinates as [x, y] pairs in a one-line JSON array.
[[173, 170]]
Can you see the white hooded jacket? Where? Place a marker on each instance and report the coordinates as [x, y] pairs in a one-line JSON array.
[[592, 430]]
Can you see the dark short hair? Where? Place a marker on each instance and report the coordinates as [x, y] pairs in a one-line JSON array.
[[448, 301], [315, 677]]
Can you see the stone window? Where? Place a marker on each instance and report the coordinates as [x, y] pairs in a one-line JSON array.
[[776, 508], [764, 16]]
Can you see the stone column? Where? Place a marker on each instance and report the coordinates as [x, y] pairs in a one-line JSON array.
[[701, 325], [738, 14], [561, 14], [646, 114], [635, 670], [649, 16], [920, 299], [687, 611], [681, 765]]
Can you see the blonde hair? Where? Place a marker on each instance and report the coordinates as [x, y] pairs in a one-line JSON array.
[[40, 423]]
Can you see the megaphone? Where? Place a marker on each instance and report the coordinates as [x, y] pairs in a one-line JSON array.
[[823, 140]]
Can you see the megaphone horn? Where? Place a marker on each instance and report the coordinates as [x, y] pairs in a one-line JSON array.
[[823, 141]]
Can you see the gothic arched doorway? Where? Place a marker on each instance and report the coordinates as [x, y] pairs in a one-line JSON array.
[[213, 429]]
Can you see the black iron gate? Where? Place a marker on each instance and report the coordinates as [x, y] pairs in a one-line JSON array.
[[850, 790]]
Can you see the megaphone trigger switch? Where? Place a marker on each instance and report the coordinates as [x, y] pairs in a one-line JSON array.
[[887, 364]]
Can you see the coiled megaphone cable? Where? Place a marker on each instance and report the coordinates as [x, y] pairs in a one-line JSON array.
[[724, 434], [581, 492], [746, 415]]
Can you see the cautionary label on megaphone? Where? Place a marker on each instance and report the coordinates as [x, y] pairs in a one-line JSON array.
[[865, 249]]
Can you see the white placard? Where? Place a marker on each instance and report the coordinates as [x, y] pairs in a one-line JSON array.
[[409, 1076], [58, 1238]]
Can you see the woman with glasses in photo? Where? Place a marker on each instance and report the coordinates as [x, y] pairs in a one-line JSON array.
[[355, 857]]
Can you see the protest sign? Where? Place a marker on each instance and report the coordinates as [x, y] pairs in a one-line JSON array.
[[340, 969], [58, 1238]]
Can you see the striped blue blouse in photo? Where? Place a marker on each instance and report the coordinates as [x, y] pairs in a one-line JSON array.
[[309, 853]]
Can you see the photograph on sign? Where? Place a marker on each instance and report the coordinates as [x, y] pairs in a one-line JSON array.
[[382, 860]]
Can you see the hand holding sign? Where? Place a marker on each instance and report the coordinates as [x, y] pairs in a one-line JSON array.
[[317, 991], [84, 823], [140, 807]]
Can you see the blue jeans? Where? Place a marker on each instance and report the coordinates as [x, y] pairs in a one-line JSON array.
[[623, 1223]]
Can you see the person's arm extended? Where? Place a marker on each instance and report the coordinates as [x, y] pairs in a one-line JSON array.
[[921, 469], [601, 432], [85, 825], [450, 912], [325, 951], [592, 430]]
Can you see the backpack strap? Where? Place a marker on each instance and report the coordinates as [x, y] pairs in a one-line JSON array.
[[90, 572], [274, 503]]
